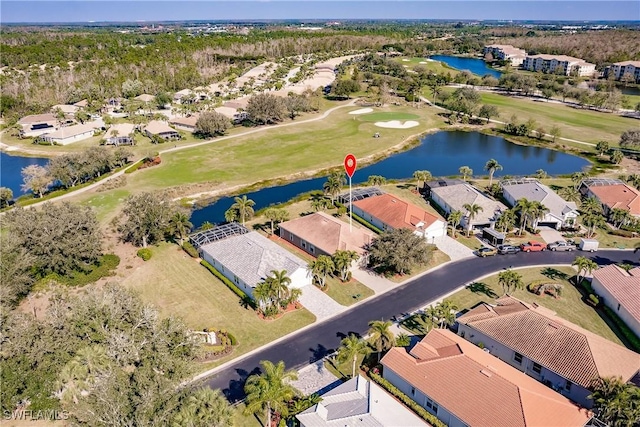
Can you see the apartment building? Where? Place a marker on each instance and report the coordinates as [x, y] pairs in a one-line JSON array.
[[506, 52], [561, 64], [626, 70]]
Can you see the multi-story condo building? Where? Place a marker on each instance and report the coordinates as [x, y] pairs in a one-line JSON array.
[[562, 64], [506, 52], [626, 70]]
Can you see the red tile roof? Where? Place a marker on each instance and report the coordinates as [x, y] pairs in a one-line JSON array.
[[478, 388], [625, 287], [328, 233], [621, 196], [558, 345], [396, 212]]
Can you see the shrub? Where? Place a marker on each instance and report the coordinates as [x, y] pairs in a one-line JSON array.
[[145, 254], [190, 249], [105, 266], [243, 296], [133, 167], [594, 299], [232, 339], [622, 233], [419, 410], [623, 328], [367, 224]]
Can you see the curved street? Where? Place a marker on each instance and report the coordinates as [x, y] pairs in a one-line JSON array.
[[317, 341]]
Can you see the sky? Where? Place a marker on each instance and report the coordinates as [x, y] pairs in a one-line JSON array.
[[152, 10]]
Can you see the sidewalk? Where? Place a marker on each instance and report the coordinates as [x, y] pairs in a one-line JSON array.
[[375, 282]]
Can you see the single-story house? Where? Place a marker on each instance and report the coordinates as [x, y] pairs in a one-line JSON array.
[[453, 198], [546, 347], [462, 385], [246, 257], [184, 96], [161, 129], [612, 194], [561, 213], [69, 134], [185, 123], [359, 402], [388, 212], [68, 110], [619, 290], [112, 104], [82, 104], [145, 97], [38, 124], [322, 234], [120, 134]]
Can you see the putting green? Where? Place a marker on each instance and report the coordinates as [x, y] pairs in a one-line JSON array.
[[383, 116]]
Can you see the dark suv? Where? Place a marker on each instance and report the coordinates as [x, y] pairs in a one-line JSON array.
[[508, 249]]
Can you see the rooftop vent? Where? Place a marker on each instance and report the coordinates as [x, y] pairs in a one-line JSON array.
[[486, 373]]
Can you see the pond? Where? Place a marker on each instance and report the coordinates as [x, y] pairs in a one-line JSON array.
[[442, 154], [476, 66], [10, 168]]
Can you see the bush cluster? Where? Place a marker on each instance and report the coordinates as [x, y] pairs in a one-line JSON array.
[[190, 249], [145, 254], [230, 285]]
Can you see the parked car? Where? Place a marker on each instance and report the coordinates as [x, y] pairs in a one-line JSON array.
[[532, 246], [508, 249], [561, 245], [484, 252]]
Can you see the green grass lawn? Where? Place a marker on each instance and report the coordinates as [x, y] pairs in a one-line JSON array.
[[569, 306], [178, 286], [105, 203], [343, 370], [345, 293], [574, 123]]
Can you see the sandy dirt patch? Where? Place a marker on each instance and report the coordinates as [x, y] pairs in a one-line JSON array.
[[405, 60], [423, 62], [362, 111], [397, 124]]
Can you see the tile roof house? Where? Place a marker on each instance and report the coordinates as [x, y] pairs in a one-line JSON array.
[[247, 259], [465, 386], [163, 130], [185, 123], [322, 234], [82, 104], [69, 110], [38, 124], [69, 134], [359, 402], [453, 198], [548, 348], [612, 194], [184, 96], [561, 213], [388, 212], [120, 134], [620, 291], [145, 97]]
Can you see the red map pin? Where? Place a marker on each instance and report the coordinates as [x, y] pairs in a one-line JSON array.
[[350, 164]]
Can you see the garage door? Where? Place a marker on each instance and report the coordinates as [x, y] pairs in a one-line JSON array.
[[554, 225]]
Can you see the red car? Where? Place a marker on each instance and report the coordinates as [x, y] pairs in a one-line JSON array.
[[533, 247]]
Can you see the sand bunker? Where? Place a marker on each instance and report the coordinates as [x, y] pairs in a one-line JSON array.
[[405, 60], [423, 62], [362, 111], [397, 124]]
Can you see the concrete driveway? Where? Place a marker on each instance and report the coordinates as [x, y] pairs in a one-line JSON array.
[[550, 235]]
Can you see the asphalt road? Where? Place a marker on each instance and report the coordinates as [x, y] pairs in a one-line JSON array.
[[314, 343]]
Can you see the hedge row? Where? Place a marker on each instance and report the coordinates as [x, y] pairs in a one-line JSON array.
[[411, 404], [628, 333], [243, 296], [190, 249], [367, 224]]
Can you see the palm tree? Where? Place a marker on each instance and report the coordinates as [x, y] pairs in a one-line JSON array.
[[506, 220], [466, 172], [179, 226], [276, 215], [207, 226], [616, 402], [577, 178], [592, 221], [492, 166], [321, 203], [321, 268], [270, 391], [634, 180], [381, 337], [376, 180], [591, 205], [447, 313], [244, 207], [280, 284], [342, 261], [522, 207], [510, 279], [205, 407], [619, 217], [231, 215], [537, 211], [421, 177], [570, 194], [264, 294], [454, 219], [584, 265], [472, 211], [334, 184], [352, 347]]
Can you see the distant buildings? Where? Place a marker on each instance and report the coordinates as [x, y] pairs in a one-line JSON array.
[[506, 52], [620, 291], [546, 347], [559, 64], [626, 70], [69, 134], [120, 134], [37, 124], [185, 123]]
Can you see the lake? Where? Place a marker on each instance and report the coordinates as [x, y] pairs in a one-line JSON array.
[[476, 66], [10, 168], [441, 153]]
